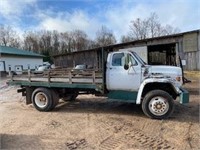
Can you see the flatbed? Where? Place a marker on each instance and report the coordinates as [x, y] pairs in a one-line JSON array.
[[66, 78], [124, 77]]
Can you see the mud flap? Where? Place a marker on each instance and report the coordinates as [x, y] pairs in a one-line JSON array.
[[26, 91]]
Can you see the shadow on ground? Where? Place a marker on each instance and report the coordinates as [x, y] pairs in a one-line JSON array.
[[20, 141]]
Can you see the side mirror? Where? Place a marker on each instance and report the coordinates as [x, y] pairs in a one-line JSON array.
[[126, 66], [126, 63]]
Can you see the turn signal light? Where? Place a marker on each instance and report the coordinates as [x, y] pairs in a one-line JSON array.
[[178, 79]]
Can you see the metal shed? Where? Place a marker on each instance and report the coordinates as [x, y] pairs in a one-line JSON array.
[[164, 50], [17, 60]]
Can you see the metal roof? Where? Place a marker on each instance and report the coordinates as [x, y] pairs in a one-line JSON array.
[[14, 51]]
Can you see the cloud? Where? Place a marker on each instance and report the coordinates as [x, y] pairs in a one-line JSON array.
[[10, 9], [65, 21], [181, 14], [116, 15]]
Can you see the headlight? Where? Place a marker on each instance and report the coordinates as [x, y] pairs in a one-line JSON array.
[[178, 79]]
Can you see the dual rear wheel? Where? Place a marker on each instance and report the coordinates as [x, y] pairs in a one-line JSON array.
[[45, 99]]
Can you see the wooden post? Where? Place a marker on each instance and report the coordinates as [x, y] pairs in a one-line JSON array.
[[11, 75], [49, 78], [103, 70], [70, 77], [10, 72], [29, 75], [177, 54], [93, 76]]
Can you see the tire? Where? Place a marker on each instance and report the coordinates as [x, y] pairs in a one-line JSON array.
[[70, 97], [55, 99], [45, 94], [158, 104]]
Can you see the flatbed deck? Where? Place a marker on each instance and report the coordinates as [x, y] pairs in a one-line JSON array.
[[89, 79]]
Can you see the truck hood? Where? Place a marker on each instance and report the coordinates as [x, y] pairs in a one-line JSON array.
[[166, 70], [175, 73]]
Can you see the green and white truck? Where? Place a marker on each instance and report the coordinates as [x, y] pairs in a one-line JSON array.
[[124, 77]]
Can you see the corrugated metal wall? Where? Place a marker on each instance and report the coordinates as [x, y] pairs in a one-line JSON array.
[[191, 51], [192, 60], [88, 58]]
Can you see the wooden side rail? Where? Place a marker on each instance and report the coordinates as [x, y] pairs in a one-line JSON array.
[[67, 76]]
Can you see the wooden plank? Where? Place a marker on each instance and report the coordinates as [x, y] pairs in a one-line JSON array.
[[60, 80], [74, 80], [39, 79], [93, 77], [70, 77], [29, 75], [20, 79], [49, 78]]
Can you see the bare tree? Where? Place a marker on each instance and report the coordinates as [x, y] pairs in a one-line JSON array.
[[79, 39], [8, 37], [65, 42], [168, 29], [46, 41], [127, 38], [139, 28], [104, 37], [154, 25], [31, 41], [150, 27], [55, 42]]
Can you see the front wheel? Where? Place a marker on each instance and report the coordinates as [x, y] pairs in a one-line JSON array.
[[158, 104]]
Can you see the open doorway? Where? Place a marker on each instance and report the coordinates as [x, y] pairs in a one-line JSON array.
[[164, 54]]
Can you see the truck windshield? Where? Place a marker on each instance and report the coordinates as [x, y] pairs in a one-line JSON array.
[[139, 58]]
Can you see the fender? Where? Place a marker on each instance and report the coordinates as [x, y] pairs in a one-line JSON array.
[[153, 80]]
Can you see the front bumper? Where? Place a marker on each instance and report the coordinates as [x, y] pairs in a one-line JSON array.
[[184, 96]]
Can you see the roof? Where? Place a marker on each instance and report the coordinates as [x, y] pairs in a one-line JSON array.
[[130, 43], [14, 51]]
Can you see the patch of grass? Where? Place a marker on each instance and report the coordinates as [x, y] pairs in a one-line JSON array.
[[192, 74]]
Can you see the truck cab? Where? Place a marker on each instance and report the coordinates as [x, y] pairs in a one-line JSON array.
[[130, 79]]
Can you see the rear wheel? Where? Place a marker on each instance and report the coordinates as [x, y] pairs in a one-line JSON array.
[[55, 99], [42, 99], [158, 104]]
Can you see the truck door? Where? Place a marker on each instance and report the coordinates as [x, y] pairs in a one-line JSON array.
[[118, 78]]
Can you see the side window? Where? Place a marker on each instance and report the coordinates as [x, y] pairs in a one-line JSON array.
[[133, 62], [117, 59]]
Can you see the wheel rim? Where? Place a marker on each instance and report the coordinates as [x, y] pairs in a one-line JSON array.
[[158, 106], [41, 100]]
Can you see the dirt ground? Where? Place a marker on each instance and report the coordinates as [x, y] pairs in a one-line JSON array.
[[92, 123]]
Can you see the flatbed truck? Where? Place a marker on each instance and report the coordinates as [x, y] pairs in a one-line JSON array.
[[124, 77]]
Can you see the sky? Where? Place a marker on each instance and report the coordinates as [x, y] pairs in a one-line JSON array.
[[90, 15]]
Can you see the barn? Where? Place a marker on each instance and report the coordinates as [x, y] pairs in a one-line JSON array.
[[164, 50], [17, 60]]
